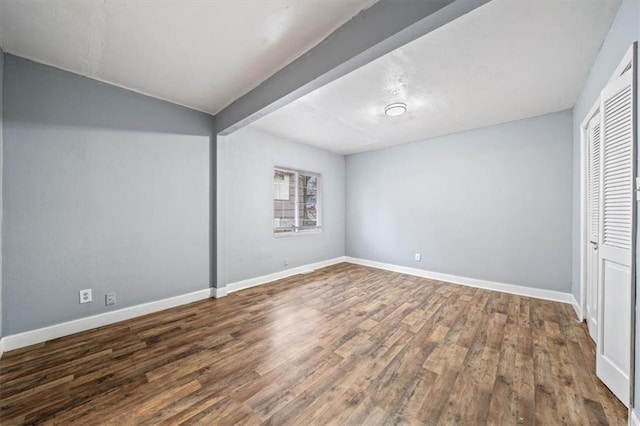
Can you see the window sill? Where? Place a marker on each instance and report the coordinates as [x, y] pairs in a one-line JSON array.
[[299, 233]]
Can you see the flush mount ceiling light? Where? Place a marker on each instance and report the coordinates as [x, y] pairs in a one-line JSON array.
[[395, 109]]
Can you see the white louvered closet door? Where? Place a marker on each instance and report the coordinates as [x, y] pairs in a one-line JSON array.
[[616, 219], [593, 195]]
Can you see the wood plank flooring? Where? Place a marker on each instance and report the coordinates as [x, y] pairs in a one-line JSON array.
[[343, 345]]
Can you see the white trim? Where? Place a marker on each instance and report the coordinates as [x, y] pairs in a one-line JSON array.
[[577, 308], [252, 282], [299, 232], [1, 346], [219, 292], [595, 108], [633, 418], [297, 229], [20, 340], [626, 60], [556, 296]]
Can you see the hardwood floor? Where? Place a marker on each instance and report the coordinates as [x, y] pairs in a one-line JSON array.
[[344, 345]]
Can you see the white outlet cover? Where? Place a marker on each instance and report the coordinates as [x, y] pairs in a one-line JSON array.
[[417, 257], [85, 296]]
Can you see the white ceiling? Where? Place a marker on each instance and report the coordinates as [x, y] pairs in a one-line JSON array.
[[201, 54], [504, 61]]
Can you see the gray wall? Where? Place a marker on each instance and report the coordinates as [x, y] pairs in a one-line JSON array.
[[247, 247], [491, 204], [104, 189]]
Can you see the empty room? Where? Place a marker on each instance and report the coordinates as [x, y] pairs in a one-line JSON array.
[[327, 212]]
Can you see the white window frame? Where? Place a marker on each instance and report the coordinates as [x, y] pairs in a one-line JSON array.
[[297, 230]]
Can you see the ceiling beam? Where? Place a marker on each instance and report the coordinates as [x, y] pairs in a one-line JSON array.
[[372, 33]]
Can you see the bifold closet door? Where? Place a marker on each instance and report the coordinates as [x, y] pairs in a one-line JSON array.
[[616, 217], [593, 205]]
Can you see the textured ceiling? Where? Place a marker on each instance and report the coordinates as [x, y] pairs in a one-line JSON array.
[[504, 61], [202, 54]]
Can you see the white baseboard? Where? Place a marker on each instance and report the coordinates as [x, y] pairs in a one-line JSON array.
[[27, 338], [20, 340], [252, 282], [32, 337], [556, 296], [577, 308], [634, 420], [218, 292]]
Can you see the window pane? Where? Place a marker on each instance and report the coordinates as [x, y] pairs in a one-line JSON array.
[[281, 182], [308, 192], [283, 204]]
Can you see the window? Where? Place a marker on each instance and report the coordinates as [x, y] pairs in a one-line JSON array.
[[296, 202]]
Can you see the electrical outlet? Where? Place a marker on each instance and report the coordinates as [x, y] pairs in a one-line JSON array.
[[286, 262], [417, 257], [85, 296], [110, 299]]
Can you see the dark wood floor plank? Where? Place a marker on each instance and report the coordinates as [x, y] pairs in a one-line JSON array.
[[343, 345]]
